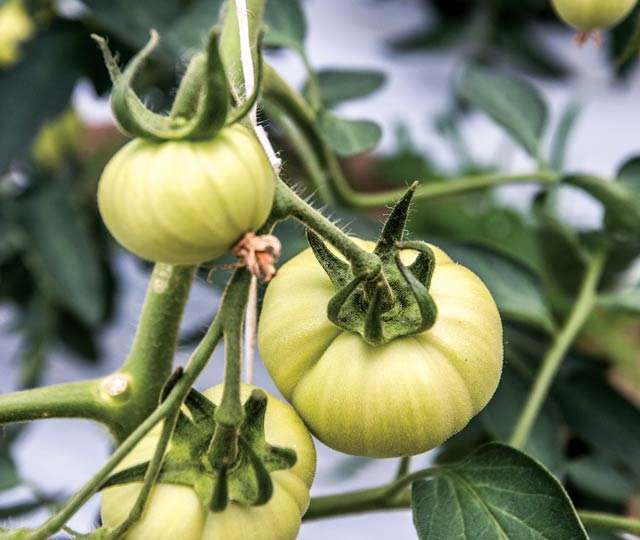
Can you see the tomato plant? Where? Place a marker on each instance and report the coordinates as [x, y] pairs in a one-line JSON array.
[[500, 339]]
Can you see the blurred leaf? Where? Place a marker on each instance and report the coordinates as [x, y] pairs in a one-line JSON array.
[[479, 219], [8, 474], [39, 88], [625, 43], [286, 24], [189, 31], [620, 198], [624, 301], [527, 51], [600, 477], [514, 104], [563, 256], [600, 415], [348, 137], [498, 492], [561, 136], [19, 509], [501, 415], [349, 466], [516, 290], [63, 251], [337, 86]]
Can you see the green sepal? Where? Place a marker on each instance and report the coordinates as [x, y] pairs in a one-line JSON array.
[[338, 270], [394, 226], [187, 462], [207, 87], [394, 303]]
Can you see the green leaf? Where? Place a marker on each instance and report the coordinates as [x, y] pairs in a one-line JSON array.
[[514, 104], [14, 510], [502, 413], [602, 478], [622, 302], [517, 291], [337, 86], [621, 198], [39, 87], [286, 24], [9, 477], [599, 415], [348, 137], [63, 255], [498, 493], [561, 136]]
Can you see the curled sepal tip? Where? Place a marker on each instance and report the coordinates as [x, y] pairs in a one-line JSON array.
[[207, 88], [338, 270], [393, 230]]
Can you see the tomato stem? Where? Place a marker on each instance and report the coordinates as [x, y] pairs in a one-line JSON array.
[[234, 296], [581, 310]]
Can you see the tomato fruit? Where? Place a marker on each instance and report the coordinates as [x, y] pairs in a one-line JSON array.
[[400, 398], [186, 202], [591, 15], [175, 512]]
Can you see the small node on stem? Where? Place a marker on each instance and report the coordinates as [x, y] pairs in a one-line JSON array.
[[257, 253], [593, 35], [115, 385]]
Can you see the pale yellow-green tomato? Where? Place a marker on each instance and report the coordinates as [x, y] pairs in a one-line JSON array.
[[397, 399], [186, 202], [56, 139], [176, 513], [592, 15], [15, 27]]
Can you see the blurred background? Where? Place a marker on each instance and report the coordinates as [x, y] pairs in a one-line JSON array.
[[70, 297]]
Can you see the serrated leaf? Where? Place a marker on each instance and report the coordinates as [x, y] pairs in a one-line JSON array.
[[286, 24], [348, 137], [498, 493], [513, 103], [63, 252], [337, 86], [517, 291]]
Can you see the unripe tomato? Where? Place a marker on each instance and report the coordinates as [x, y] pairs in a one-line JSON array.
[[186, 202], [401, 398], [175, 512], [15, 27], [591, 15]]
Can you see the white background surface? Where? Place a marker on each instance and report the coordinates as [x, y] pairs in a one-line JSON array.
[[60, 455]]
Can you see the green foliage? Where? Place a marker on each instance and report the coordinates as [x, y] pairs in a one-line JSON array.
[[497, 492]]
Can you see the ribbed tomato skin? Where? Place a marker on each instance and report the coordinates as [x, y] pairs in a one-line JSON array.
[[186, 202], [400, 398]]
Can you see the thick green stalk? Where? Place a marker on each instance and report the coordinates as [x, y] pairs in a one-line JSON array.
[[84, 399], [231, 300], [290, 204], [122, 400], [609, 522], [582, 308]]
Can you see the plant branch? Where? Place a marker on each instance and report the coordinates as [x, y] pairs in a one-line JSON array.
[[581, 310], [609, 522], [290, 104], [234, 295]]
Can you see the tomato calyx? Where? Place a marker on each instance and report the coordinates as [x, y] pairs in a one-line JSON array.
[[191, 458], [395, 302], [202, 105]]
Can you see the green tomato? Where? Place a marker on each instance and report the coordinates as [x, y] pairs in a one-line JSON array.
[[401, 398], [186, 202], [591, 15], [175, 512]]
